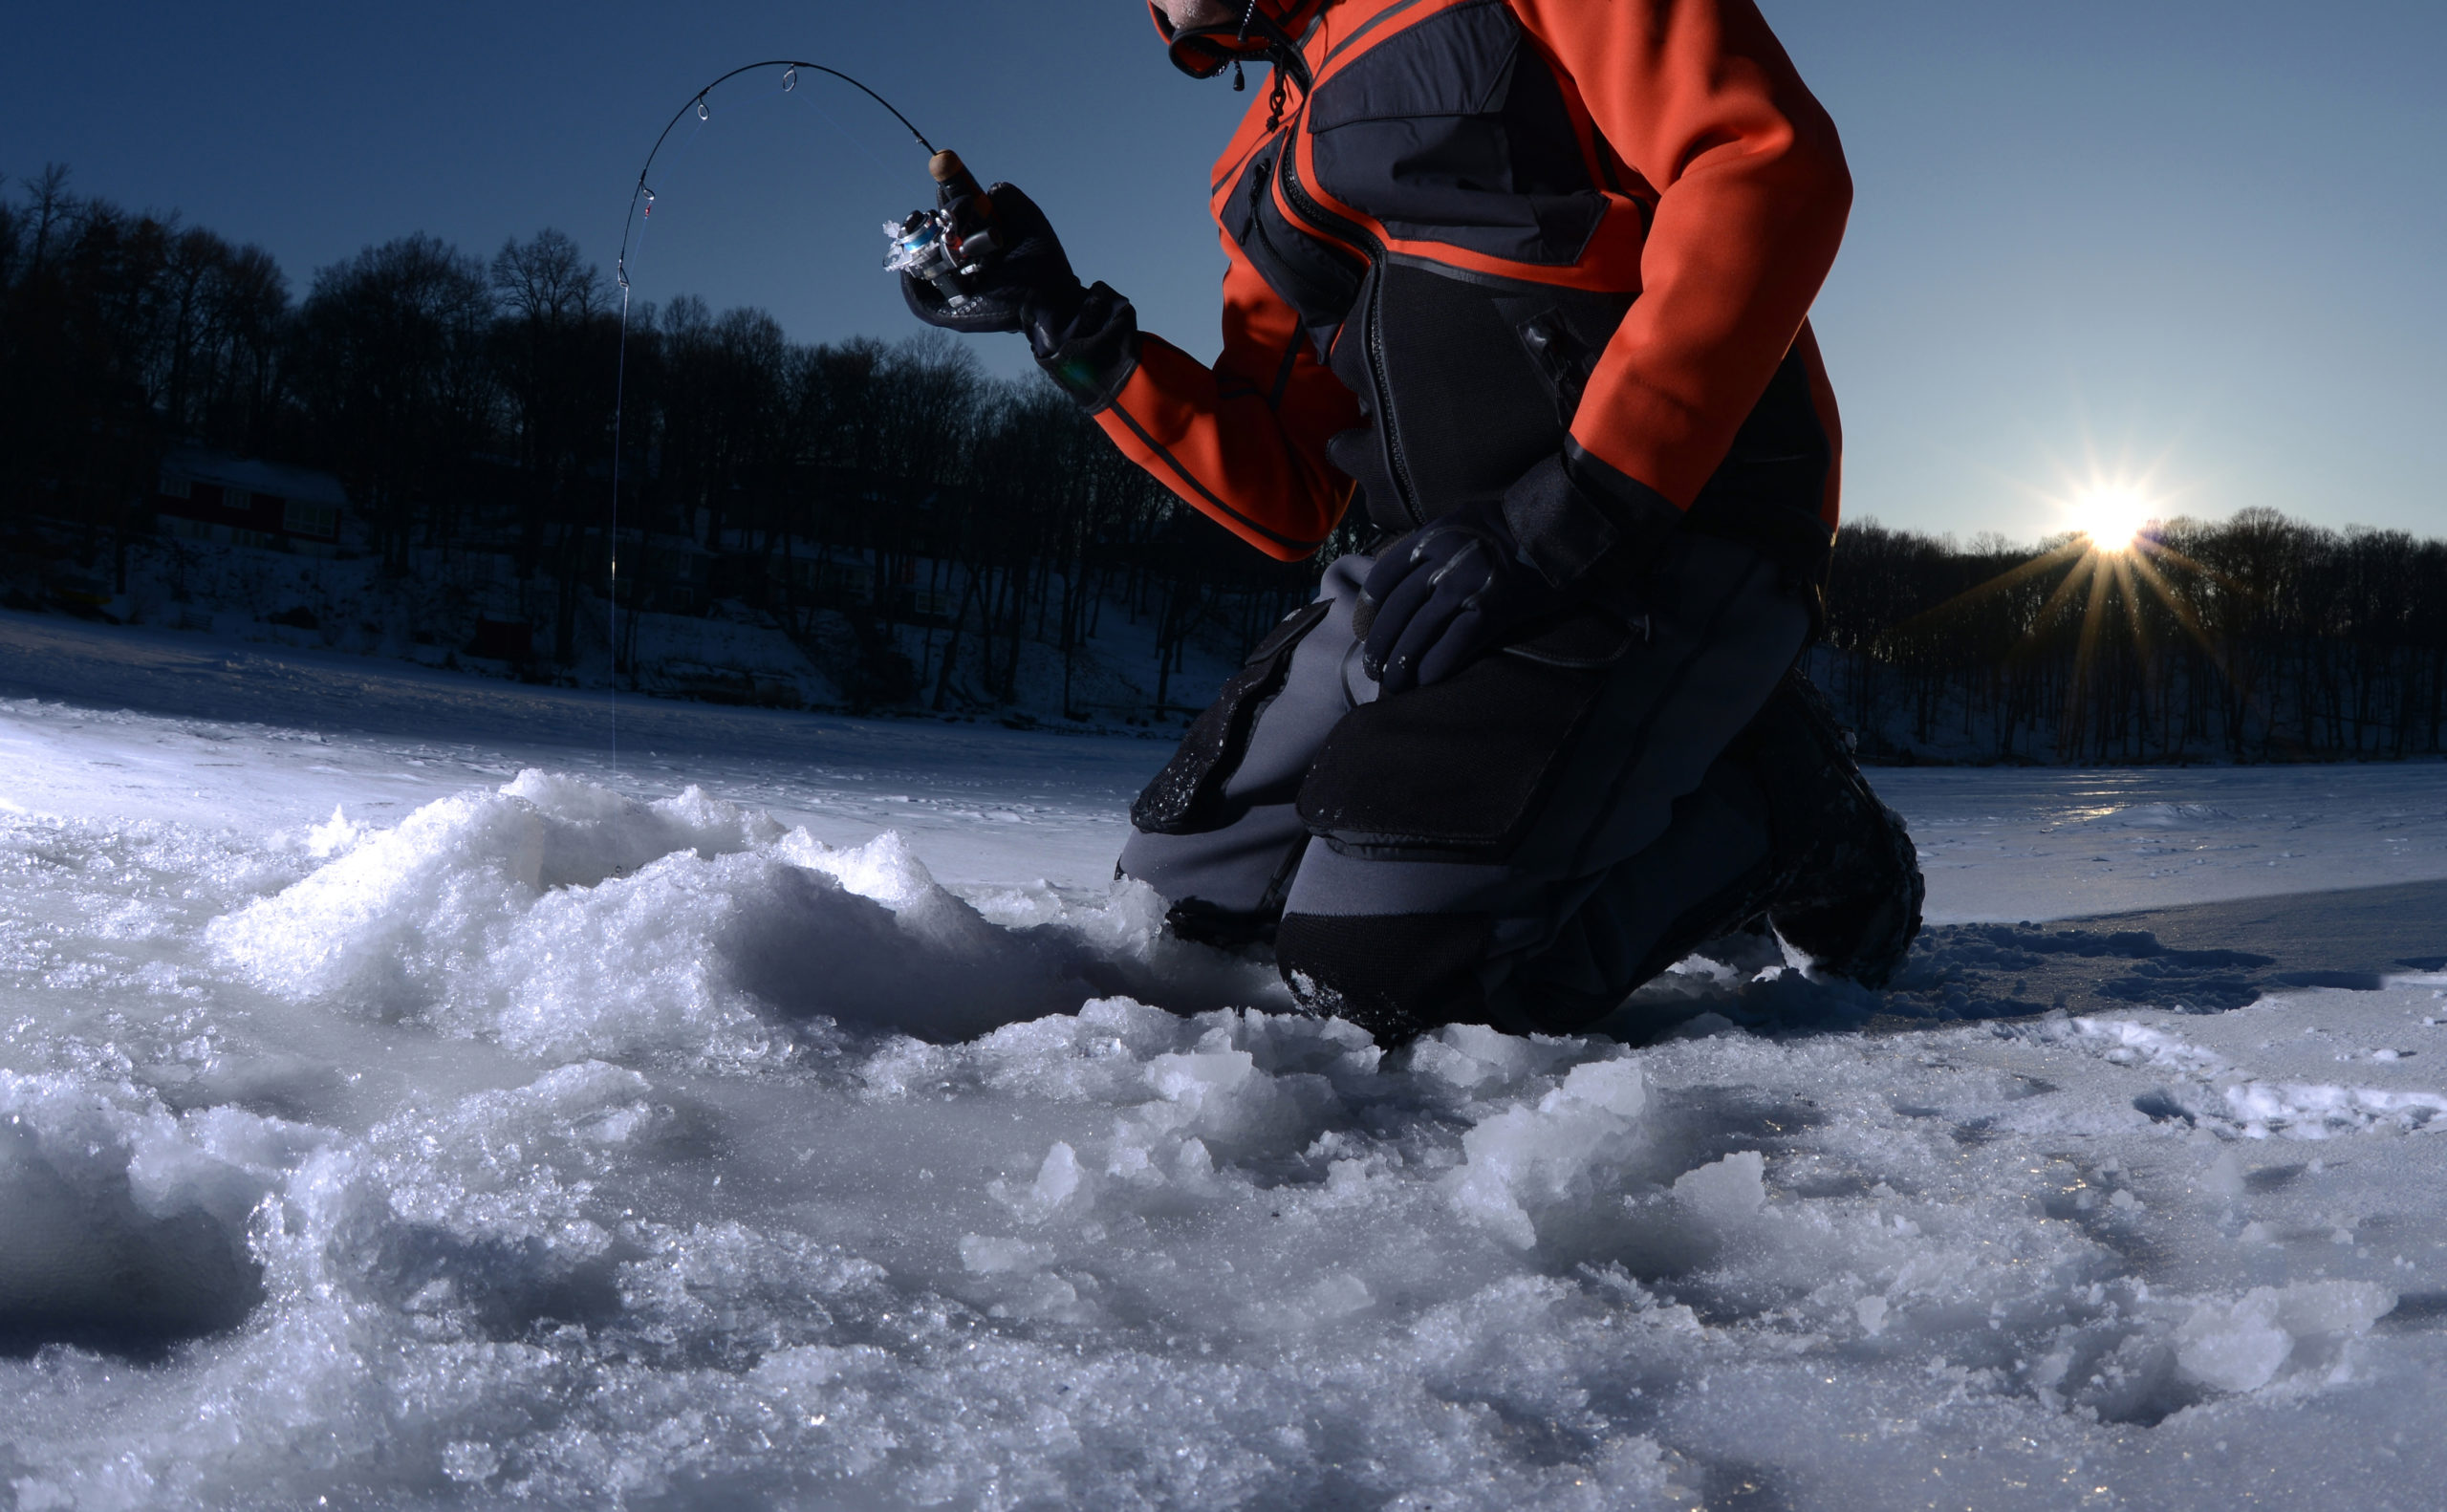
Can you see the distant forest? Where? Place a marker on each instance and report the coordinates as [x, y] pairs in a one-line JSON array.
[[467, 405], [2251, 639]]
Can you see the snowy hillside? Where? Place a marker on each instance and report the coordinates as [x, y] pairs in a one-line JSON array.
[[469, 612], [409, 1097]]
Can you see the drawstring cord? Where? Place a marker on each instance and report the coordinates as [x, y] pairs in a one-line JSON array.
[[1276, 98]]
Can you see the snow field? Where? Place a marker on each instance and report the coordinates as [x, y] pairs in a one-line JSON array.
[[555, 1146], [574, 1137], [2023, 843]]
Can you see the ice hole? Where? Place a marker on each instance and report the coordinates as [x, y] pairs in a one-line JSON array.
[[124, 1228]]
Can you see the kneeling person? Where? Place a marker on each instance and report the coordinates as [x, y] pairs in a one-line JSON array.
[[1528, 280]]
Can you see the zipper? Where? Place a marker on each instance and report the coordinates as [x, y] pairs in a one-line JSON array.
[[1369, 245]]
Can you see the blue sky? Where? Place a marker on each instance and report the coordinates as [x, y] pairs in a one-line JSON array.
[[2195, 241]]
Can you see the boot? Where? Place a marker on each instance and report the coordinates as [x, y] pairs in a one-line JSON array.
[[1848, 888]]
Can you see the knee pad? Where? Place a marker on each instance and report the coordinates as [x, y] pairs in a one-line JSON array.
[[1395, 975]]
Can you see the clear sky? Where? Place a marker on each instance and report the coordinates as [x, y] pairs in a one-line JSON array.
[[2200, 240]]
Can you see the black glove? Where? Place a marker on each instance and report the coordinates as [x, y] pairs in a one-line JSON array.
[[1086, 339], [1446, 596], [1462, 584], [1027, 281]]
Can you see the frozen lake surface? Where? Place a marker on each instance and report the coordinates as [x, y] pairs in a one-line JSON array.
[[407, 1101]]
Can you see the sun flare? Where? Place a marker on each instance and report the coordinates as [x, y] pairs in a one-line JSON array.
[[2112, 516]]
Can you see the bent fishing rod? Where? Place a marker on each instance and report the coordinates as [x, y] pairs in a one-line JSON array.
[[932, 256]]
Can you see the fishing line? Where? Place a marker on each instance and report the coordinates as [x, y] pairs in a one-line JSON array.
[[698, 106]]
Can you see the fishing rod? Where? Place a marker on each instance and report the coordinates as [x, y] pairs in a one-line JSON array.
[[946, 247], [697, 102]]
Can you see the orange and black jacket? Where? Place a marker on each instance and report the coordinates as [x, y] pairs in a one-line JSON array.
[[1484, 232]]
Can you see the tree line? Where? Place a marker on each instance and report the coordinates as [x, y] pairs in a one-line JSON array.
[[468, 405], [2256, 638]]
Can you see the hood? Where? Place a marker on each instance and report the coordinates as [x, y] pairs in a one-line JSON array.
[[1271, 35]]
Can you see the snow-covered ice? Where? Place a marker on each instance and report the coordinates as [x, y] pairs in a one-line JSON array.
[[404, 1104]]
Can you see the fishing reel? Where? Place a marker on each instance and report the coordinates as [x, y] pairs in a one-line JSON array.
[[946, 247]]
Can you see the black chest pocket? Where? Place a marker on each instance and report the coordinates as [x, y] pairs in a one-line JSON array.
[[1321, 282], [1455, 131]]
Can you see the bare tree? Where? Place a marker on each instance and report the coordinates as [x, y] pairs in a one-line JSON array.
[[398, 384]]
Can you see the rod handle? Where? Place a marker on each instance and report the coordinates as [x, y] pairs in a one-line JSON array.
[[953, 175]]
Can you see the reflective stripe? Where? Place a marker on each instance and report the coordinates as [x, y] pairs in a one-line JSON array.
[[1216, 504]]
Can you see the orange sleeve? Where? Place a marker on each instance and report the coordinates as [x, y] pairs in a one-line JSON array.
[[1243, 442], [1698, 98]]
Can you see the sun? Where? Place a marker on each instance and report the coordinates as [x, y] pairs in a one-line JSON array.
[[2111, 515]]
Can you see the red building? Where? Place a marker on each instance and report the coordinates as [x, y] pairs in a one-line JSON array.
[[213, 496]]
